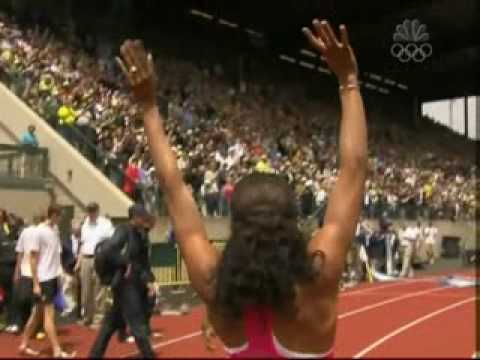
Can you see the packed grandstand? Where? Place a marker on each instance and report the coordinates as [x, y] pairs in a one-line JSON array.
[[221, 133]]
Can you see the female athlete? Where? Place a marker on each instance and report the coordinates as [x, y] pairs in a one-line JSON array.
[[272, 293]]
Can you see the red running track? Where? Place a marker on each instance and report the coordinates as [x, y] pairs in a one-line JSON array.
[[414, 318]]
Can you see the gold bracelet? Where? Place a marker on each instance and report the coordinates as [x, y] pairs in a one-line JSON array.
[[349, 86]]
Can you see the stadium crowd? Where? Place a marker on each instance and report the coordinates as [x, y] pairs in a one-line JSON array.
[[376, 254], [221, 133]]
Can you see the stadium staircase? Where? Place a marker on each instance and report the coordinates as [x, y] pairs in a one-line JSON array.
[[74, 181]]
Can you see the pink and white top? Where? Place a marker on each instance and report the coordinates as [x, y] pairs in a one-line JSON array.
[[261, 341]]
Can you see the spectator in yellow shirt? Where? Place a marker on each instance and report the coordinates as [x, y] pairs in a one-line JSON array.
[[47, 85], [263, 166], [428, 189], [67, 116]]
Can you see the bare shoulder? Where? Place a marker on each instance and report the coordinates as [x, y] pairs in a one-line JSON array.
[[326, 247]]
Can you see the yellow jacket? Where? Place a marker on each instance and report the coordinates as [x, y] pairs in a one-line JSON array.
[[263, 167], [66, 115]]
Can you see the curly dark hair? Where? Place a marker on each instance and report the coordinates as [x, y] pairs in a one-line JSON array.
[[266, 255]]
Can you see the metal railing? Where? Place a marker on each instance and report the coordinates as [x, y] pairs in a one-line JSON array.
[[22, 162], [176, 274]]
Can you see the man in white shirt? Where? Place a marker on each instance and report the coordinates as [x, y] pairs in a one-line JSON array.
[[94, 230], [210, 190], [23, 277], [46, 267], [431, 238], [409, 238], [320, 196]]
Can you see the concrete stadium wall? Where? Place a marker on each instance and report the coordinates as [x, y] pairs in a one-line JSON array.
[[86, 182], [219, 229], [465, 230], [25, 203]]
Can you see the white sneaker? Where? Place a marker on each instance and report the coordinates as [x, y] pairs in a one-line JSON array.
[[12, 329], [130, 339], [184, 309]]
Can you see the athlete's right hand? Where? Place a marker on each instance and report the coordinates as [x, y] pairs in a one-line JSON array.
[[338, 55], [138, 67]]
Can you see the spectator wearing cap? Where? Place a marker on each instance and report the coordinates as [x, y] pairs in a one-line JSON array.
[[94, 230]]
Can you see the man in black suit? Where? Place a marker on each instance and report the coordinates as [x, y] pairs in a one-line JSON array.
[[132, 284]]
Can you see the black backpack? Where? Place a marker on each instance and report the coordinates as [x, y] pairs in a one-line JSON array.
[[104, 253]]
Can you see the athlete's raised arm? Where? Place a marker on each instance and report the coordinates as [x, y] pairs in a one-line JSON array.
[[200, 256], [344, 205]]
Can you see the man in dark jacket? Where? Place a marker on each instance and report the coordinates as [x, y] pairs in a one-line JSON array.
[[8, 241], [131, 285]]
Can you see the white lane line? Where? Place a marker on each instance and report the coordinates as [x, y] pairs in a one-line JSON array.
[[398, 293], [373, 288], [168, 342], [411, 324], [389, 301], [341, 316]]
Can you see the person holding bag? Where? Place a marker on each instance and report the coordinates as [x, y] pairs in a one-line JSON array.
[[131, 281]]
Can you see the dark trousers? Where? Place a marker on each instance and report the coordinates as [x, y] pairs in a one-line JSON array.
[[6, 283], [122, 331], [23, 301], [212, 204], [130, 307]]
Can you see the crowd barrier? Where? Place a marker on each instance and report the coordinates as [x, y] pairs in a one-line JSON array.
[[168, 266]]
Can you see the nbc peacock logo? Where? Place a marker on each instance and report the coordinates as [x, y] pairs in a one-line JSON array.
[[411, 42]]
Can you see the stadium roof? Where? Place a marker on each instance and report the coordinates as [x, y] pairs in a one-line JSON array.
[[449, 28], [452, 27]]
